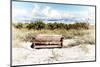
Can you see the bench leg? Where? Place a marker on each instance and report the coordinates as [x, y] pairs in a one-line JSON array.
[[33, 44]]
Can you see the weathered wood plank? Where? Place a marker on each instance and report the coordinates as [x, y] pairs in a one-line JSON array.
[[47, 41], [47, 38]]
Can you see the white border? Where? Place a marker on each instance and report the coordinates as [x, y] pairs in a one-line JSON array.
[[5, 33]]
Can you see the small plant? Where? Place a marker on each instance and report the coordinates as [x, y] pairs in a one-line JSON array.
[[84, 48], [18, 25], [55, 55]]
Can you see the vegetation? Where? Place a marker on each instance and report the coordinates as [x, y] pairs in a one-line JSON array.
[[39, 25], [82, 33]]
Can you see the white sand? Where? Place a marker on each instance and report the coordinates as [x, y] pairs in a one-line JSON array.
[[26, 55]]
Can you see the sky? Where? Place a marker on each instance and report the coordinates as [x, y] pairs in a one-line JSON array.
[[30, 10]]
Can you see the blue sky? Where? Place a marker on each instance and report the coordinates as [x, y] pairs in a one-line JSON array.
[[29, 10]]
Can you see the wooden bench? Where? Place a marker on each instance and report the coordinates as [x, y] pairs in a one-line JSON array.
[[47, 41]]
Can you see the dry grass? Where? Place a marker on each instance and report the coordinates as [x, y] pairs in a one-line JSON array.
[[79, 46], [81, 36]]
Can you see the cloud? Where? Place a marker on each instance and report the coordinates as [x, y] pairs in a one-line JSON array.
[[68, 14], [55, 14], [48, 12], [19, 12], [18, 15], [52, 13], [44, 11], [35, 10], [89, 13]]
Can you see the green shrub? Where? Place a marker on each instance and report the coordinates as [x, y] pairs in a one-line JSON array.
[[18, 25], [39, 24]]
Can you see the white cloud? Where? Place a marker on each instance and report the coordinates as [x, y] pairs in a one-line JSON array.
[[55, 13], [35, 9], [18, 12], [68, 14], [52, 13], [89, 13], [46, 11]]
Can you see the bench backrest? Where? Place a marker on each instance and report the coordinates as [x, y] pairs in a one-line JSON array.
[[48, 38]]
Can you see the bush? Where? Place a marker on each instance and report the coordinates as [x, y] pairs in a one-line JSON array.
[[39, 24], [30, 26], [18, 25]]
